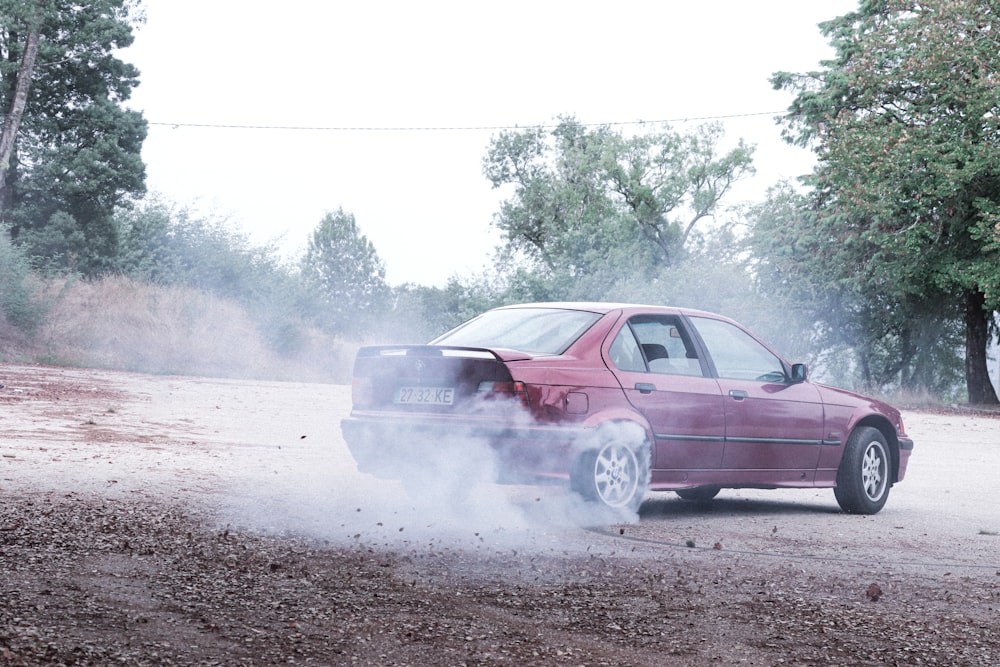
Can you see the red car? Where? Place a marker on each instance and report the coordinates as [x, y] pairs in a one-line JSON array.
[[618, 400]]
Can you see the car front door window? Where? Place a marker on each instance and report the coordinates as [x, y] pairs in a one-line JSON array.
[[736, 354]]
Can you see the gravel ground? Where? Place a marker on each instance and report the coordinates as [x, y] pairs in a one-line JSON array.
[[178, 521]]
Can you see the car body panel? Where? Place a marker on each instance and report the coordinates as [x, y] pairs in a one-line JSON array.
[[686, 415], [772, 426]]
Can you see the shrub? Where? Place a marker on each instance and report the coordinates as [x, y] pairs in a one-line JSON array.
[[19, 306]]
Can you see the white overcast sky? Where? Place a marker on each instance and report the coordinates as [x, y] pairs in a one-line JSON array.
[[419, 195]]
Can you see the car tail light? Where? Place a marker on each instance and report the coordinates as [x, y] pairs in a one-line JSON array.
[[515, 390], [362, 392]]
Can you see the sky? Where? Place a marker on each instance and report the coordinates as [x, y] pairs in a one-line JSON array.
[[271, 118]]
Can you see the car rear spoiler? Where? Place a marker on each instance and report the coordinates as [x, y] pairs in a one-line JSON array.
[[500, 354]]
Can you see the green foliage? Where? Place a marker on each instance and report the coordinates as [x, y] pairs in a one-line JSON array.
[[19, 306], [341, 264], [419, 313], [77, 154], [59, 246], [593, 207], [876, 335], [166, 245], [906, 124], [917, 105]]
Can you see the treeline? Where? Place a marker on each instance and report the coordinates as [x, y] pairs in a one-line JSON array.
[[716, 258]]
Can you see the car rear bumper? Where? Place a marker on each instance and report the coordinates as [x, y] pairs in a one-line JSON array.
[[394, 447]]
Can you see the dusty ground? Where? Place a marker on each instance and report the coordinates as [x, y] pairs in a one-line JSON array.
[[169, 521]]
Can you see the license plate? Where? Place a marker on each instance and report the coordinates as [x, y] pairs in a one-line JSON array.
[[424, 395]]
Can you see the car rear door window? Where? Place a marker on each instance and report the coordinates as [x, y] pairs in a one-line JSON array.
[[625, 352], [655, 344]]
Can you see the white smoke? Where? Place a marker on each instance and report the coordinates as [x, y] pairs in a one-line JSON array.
[[451, 499]]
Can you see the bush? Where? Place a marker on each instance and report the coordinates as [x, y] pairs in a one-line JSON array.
[[19, 306], [122, 324]]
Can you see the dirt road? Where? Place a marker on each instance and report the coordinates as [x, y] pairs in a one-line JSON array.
[[150, 520]]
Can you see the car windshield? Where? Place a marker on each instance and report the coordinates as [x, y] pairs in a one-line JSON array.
[[534, 330]]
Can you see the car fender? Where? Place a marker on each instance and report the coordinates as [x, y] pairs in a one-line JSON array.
[[618, 415], [846, 411]]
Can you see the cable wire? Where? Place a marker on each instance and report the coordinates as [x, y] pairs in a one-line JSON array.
[[540, 126]]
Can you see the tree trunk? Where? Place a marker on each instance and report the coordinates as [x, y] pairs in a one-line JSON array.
[[977, 339], [12, 118]]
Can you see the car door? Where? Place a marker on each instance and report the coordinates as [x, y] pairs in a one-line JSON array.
[[656, 362], [772, 423]]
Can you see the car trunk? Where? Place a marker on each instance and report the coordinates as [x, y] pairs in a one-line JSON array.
[[433, 379]]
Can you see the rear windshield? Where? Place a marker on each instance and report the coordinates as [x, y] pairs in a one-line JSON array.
[[533, 330]]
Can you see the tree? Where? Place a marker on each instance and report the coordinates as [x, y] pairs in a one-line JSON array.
[[18, 100], [590, 202], [871, 331], [76, 153], [169, 245], [420, 313], [343, 265], [906, 124]]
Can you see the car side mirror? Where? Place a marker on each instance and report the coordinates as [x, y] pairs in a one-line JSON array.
[[799, 373]]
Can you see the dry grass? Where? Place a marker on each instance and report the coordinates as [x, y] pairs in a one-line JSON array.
[[118, 323]]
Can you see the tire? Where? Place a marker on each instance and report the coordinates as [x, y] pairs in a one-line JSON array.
[[701, 493], [615, 473], [865, 474]]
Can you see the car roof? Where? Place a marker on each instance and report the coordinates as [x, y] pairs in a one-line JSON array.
[[606, 307]]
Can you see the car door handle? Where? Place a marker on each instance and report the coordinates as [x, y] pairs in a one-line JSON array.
[[738, 394], [645, 387]]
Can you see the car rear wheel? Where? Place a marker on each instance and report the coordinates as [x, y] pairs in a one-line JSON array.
[[615, 473], [863, 479], [700, 493]]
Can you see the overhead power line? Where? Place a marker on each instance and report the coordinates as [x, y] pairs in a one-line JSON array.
[[335, 128]]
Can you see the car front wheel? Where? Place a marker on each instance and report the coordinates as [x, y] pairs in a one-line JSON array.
[[615, 473], [864, 476]]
